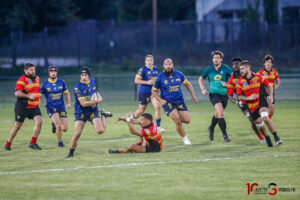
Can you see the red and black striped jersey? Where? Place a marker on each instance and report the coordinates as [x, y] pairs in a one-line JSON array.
[[151, 133], [28, 86], [271, 76]]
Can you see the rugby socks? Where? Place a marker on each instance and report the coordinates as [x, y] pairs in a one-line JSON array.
[[158, 122], [8, 144], [71, 152], [222, 125], [33, 140], [214, 122], [139, 144], [121, 151], [276, 138], [261, 136], [270, 116], [60, 143]]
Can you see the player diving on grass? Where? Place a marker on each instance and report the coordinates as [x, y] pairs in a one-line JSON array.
[[148, 130], [231, 89], [146, 77], [86, 109], [248, 89], [272, 76], [218, 75], [169, 83], [53, 89]]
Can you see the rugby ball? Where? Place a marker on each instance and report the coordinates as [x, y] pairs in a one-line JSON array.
[[94, 96]]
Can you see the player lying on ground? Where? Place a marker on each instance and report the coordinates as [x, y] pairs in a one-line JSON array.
[[86, 108], [169, 83], [27, 105], [53, 89], [148, 131], [231, 90], [248, 89]]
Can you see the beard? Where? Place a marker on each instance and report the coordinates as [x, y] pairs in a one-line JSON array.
[[31, 76], [169, 72]]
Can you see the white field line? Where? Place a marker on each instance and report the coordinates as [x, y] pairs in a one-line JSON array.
[[135, 164]]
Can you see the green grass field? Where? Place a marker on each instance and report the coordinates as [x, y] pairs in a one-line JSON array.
[[205, 170]]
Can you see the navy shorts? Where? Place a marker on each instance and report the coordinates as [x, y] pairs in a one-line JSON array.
[[169, 107], [61, 112], [144, 98], [21, 113], [87, 116], [218, 98]]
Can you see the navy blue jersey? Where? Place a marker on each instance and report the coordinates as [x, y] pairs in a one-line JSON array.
[[170, 86], [85, 91], [147, 74], [53, 92]]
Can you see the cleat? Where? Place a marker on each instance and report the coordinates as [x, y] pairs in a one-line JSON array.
[[262, 142], [211, 134], [186, 141], [70, 155], [160, 129], [279, 142], [113, 151], [7, 148], [227, 139], [53, 128], [35, 146], [106, 113]]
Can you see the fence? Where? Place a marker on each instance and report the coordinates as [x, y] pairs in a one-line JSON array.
[[121, 88], [189, 43]]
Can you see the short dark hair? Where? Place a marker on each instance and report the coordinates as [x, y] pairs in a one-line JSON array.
[[220, 53], [147, 116], [236, 59], [28, 65], [268, 57], [245, 62]]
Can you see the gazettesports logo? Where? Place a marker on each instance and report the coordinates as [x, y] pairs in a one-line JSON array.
[[270, 190]]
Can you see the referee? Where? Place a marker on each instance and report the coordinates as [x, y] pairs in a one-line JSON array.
[[27, 105]]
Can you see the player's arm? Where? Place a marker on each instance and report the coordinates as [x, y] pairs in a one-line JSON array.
[[85, 103], [232, 99], [271, 90], [128, 118], [67, 93], [201, 84], [21, 94], [134, 131], [190, 88], [157, 97], [138, 80], [276, 86]]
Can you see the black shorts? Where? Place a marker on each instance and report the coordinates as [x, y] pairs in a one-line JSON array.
[[218, 98], [263, 93], [262, 104], [153, 147], [243, 107], [21, 113], [61, 112], [87, 116], [144, 98], [169, 107]]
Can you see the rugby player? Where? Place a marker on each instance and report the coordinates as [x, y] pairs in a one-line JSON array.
[[27, 105], [218, 75], [169, 83], [248, 89], [53, 89], [148, 130], [272, 76], [87, 109], [231, 89], [146, 77]]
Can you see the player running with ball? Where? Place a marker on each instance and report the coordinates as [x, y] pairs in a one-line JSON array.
[[86, 109]]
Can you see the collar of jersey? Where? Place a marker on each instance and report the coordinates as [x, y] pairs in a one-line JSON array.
[[149, 67], [268, 71], [85, 83], [49, 79]]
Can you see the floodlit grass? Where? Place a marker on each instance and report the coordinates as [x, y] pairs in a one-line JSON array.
[[204, 170]]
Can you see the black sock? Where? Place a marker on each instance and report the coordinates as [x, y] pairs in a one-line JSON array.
[[222, 125], [275, 136], [72, 151], [268, 140], [214, 122]]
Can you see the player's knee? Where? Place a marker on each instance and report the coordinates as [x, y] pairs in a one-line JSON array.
[[58, 125], [187, 120], [260, 124], [64, 128], [100, 131], [265, 116]]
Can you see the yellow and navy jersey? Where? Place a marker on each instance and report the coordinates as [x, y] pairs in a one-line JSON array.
[[53, 91], [84, 91], [146, 74], [170, 86]]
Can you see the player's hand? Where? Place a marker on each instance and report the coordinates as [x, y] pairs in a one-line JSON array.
[[224, 84], [150, 82], [252, 97], [276, 87], [163, 102], [68, 106], [32, 97], [270, 99], [195, 99], [204, 92], [121, 119], [99, 98], [129, 115], [239, 103]]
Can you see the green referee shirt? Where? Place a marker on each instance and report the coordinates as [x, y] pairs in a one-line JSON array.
[[216, 77]]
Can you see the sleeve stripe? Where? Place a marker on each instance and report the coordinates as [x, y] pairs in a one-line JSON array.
[[21, 83], [80, 97], [185, 80], [154, 88], [138, 76], [66, 91]]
